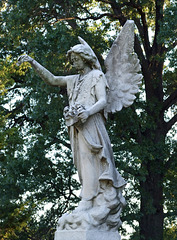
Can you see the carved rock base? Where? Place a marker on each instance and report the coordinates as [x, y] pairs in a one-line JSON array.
[[86, 235], [104, 215], [98, 222]]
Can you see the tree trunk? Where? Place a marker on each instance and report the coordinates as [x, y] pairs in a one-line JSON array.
[[151, 221], [151, 209]]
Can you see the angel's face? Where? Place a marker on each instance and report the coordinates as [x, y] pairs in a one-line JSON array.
[[77, 61]]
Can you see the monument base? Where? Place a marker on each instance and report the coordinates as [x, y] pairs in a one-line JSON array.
[[86, 235]]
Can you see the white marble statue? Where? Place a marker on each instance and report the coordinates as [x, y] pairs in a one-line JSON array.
[[92, 94]]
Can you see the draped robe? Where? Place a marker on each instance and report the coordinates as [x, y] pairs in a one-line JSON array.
[[90, 143]]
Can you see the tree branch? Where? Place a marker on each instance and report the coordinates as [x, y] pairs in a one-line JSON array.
[[139, 52], [98, 17], [172, 99], [106, 1], [145, 37], [118, 12], [159, 17], [120, 16], [15, 87], [170, 123]]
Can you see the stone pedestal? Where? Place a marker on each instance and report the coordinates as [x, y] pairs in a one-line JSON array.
[[86, 235]]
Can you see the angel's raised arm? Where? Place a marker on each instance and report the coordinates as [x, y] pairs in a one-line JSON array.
[[46, 75]]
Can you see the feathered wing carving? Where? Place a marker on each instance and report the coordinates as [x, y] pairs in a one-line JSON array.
[[122, 70]]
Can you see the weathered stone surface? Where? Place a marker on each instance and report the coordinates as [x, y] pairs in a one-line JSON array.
[[86, 235]]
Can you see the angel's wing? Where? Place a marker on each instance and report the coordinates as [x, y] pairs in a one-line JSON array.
[[122, 67]]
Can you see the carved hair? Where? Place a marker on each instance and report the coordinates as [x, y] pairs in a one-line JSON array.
[[85, 53]]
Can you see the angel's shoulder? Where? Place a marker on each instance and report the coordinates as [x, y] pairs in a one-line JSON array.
[[98, 78], [97, 73], [71, 79]]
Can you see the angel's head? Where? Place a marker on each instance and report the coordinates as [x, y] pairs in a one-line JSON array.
[[83, 52]]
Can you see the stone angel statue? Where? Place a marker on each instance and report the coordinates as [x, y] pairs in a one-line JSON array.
[[92, 95]]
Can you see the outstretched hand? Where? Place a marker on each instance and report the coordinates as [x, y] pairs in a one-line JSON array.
[[24, 58]]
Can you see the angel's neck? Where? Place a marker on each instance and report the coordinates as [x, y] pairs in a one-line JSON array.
[[85, 71]]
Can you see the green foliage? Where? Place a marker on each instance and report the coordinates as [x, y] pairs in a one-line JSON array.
[[13, 216], [36, 184], [170, 233]]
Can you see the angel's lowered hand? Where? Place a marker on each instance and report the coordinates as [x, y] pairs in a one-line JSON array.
[[83, 115]]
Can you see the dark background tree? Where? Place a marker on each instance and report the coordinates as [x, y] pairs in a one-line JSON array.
[[36, 166]]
